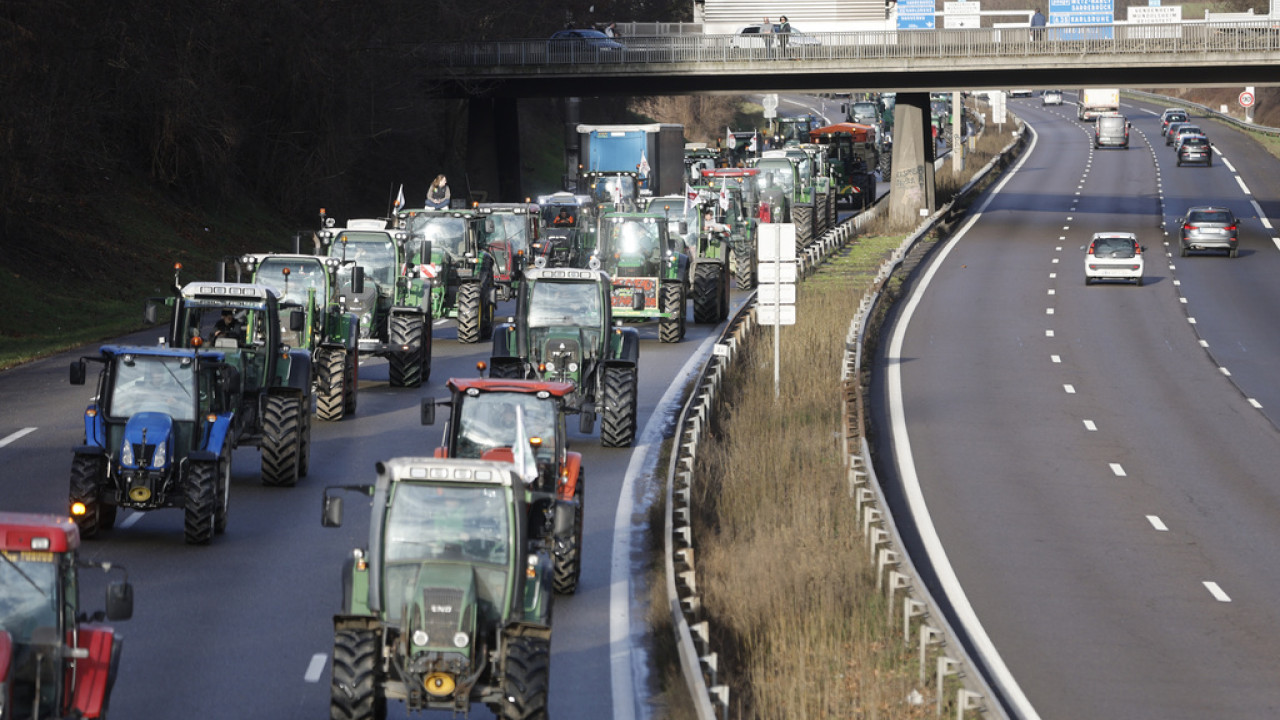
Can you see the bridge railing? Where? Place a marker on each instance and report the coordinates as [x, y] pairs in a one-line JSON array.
[[1171, 38]]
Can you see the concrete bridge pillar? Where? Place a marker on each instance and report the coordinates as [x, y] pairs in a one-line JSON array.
[[493, 151], [913, 156]]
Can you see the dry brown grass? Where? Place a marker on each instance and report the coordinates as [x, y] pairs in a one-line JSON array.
[[799, 627]]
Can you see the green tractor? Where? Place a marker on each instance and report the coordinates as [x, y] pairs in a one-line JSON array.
[[450, 602], [612, 191], [649, 268], [741, 217], [568, 231], [379, 275], [272, 398], [788, 186], [708, 241], [563, 332], [515, 230], [329, 332], [455, 256]]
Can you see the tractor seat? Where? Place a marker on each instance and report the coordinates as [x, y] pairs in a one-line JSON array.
[[226, 342]]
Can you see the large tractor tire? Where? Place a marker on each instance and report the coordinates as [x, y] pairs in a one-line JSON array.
[[506, 371], [351, 382], [409, 368], [526, 680], [88, 474], [671, 300], [282, 429], [568, 557], [802, 218], [331, 385], [223, 492], [821, 215], [708, 293], [886, 166], [618, 417], [868, 191], [471, 307], [744, 269], [355, 692], [201, 503]]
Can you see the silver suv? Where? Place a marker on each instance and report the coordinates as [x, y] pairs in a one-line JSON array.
[[1208, 227]]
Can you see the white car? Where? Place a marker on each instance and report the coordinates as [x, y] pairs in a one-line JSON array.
[[1113, 256], [1019, 93], [1051, 97]]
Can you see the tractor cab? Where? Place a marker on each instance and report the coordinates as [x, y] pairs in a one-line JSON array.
[[613, 191]]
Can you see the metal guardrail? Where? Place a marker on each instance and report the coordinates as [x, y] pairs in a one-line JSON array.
[[921, 617], [1189, 40], [1208, 111]]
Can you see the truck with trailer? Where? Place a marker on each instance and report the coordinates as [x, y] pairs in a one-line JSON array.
[[1097, 101]]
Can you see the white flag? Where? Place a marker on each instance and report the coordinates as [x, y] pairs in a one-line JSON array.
[[689, 196], [752, 146], [522, 454], [644, 165], [730, 141], [400, 197], [724, 195]]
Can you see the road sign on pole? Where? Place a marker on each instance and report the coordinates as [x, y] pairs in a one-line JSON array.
[[776, 247]]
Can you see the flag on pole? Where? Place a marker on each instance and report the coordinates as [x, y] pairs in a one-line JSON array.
[[724, 194], [730, 141], [400, 197], [643, 167], [522, 453], [752, 146], [689, 196]]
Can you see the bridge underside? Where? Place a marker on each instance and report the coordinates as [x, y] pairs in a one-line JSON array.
[[897, 75]]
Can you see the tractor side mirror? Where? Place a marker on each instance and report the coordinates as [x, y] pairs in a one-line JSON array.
[[357, 280], [489, 227], [425, 251], [151, 313], [428, 414], [77, 372], [119, 600], [586, 422], [682, 227], [332, 511], [297, 320]]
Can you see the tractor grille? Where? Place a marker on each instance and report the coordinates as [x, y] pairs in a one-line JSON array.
[[562, 351], [142, 454], [630, 271], [441, 611]]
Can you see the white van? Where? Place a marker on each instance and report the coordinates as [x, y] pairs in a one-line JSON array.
[[1111, 130]]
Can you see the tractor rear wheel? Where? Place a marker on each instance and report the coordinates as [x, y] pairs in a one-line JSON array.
[[618, 418], [351, 382], [406, 366], [87, 478], [526, 680], [671, 300], [223, 490], [802, 218], [355, 691], [282, 427], [744, 269], [708, 296], [568, 558], [506, 371], [331, 375], [471, 308], [201, 489]]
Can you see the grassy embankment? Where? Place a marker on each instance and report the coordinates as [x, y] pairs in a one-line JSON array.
[[798, 625]]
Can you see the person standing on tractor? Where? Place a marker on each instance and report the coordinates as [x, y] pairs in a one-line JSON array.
[[438, 195]]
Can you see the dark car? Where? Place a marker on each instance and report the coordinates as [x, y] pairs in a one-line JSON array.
[[1186, 128], [1172, 130], [1195, 149], [578, 41], [1208, 227], [1171, 116]]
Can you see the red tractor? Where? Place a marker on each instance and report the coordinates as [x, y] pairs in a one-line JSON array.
[[54, 661], [483, 426]]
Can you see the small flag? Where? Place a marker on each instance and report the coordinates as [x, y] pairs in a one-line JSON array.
[[644, 165], [522, 454], [689, 196], [400, 197], [731, 142], [752, 146], [724, 195]]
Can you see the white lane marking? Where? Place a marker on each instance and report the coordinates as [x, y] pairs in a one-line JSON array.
[[1056, 358], [936, 552], [315, 667], [1091, 426], [1048, 311], [1053, 276], [1224, 371], [1048, 333], [644, 457], [1157, 523], [17, 436], [1071, 389], [1182, 300], [1216, 591], [1258, 209], [1225, 161], [131, 520], [1118, 470], [1276, 241], [1204, 343], [1055, 261], [1255, 403], [1243, 187], [1052, 291]]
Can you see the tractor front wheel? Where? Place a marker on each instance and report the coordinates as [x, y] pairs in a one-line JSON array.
[[471, 308], [568, 557], [355, 691], [350, 381], [671, 301], [331, 385], [406, 366], [87, 478], [201, 503], [707, 294], [282, 427], [618, 418], [744, 269], [526, 680]]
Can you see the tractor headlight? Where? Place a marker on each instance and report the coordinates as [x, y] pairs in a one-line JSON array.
[[573, 367], [460, 639], [161, 457], [551, 367], [126, 454], [420, 638]]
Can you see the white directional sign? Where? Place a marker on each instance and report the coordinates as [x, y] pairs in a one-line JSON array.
[[766, 314], [776, 238], [773, 293], [769, 272]]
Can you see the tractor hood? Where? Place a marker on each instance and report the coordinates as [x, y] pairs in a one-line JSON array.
[[440, 609], [145, 434]]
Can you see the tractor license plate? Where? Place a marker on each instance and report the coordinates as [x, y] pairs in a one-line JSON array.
[[625, 289]]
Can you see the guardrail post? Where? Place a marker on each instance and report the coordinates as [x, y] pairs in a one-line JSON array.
[[967, 700], [910, 608], [885, 558], [945, 666], [897, 581], [929, 635]]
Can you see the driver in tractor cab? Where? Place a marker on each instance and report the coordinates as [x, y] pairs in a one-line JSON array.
[[564, 219], [228, 326]]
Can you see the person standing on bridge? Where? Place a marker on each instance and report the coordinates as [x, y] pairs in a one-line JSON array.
[[1037, 25], [784, 33], [766, 31]]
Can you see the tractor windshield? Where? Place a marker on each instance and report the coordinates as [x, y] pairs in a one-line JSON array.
[[304, 274], [511, 228], [615, 189], [487, 421], [776, 171], [444, 232], [153, 384], [456, 524], [375, 252], [28, 593], [633, 236], [564, 303]]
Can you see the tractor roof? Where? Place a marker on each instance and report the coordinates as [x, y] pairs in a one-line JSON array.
[[537, 274], [859, 132], [565, 198], [447, 470], [367, 224], [731, 172], [558, 389], [162, 351], [28, 531], [517, 208], [209, 290]]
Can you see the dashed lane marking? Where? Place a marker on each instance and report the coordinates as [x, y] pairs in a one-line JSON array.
[[17, 436]]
